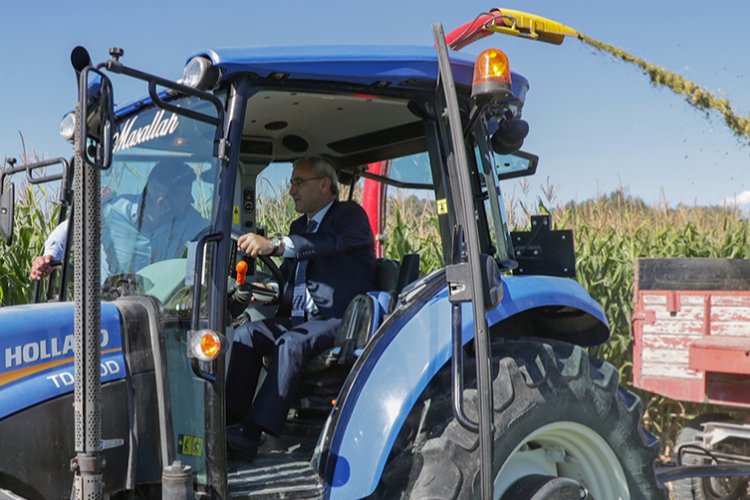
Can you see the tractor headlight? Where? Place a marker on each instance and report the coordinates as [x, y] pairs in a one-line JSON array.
[[199, 73], [68, 126]]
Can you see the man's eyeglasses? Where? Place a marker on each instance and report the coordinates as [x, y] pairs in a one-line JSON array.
[[298, 182]]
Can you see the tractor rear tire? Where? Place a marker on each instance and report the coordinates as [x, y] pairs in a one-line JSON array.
[[557, 413]]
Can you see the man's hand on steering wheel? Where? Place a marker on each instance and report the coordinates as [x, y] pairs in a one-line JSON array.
[[256, 245]]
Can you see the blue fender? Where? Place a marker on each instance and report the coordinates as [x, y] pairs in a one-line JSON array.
[[36, 349], [391, 376]]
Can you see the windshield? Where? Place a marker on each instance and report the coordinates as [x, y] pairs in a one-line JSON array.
[[156, 198]]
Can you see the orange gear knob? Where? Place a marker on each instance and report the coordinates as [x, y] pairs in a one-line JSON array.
[[241, 269]]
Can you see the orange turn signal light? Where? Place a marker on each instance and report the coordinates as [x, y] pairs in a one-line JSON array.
[[205, 345], [210, 345], [491, 74]]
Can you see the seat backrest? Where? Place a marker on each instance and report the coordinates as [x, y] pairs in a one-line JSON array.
[[366, 311], [387, 272], [408, 272], [364, 315]]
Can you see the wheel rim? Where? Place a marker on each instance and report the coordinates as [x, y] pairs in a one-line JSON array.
[[566, 449], [723, 487]]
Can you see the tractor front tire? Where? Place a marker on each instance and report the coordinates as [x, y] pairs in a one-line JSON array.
[[557, 413]]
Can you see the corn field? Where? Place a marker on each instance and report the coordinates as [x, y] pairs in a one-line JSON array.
[[604, 263], [605, 255], [35, 217]]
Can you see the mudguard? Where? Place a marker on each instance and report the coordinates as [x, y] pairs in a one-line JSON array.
[[36, 345], [396, 368]]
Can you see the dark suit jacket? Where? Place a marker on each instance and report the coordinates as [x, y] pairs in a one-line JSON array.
[[341, 256]]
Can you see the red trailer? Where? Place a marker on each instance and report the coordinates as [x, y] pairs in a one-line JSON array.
[[691, 325]]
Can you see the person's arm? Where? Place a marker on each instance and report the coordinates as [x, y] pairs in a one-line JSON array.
[[55, 243], [54, 249], [254, 244]]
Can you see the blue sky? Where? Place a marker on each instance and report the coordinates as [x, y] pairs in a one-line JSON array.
[[597, 123]]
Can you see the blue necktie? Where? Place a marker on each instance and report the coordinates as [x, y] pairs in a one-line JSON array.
[[299, 297]]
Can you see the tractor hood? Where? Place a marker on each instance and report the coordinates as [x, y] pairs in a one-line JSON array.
[[36, 349]]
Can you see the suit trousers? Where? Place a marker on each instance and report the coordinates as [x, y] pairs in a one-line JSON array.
[[289, 346]]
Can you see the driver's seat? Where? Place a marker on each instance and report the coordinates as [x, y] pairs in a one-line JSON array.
[[326, 372]]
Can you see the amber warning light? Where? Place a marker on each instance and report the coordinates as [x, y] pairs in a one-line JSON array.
[[492, 75], [205, 345]]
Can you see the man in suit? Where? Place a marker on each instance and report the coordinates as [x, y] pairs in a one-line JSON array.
[[329, 258]]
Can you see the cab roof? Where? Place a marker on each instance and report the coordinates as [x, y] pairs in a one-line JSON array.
[[383, 83], [392, 66], [395, 66]]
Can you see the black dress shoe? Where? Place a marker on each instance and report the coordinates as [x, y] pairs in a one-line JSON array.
[[241, 445]]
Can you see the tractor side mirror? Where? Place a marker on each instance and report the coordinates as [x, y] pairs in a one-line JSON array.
[[518, 164], [97, 108], [7, 209], [99, 118]]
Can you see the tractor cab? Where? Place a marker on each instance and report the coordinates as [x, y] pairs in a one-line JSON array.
[[289, 103]]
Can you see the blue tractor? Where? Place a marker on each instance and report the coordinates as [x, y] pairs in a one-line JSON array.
[[470, 381]]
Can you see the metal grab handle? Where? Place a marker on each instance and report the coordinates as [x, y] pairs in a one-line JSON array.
[[153, 81], [12, 169], [199, 372], [195, 115], [457, 359], [9, 169], [217, 121], [199, 255], [197, 285], [47, 163], [36, 291], [457, 373], [38, 283]]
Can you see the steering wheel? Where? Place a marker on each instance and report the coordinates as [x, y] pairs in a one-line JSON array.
[[123, 284], [267, 295]]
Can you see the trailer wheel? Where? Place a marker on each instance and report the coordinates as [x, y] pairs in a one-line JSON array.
[[696, 488], [556, 413]]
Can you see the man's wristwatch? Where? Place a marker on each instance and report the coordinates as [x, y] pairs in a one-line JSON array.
[[275, 244]]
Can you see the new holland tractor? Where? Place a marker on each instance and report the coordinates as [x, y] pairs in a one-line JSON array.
[[468, 381]]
